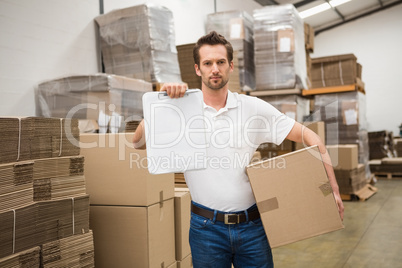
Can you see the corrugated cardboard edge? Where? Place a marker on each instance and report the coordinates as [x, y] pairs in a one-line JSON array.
[[280, 156], [366, 192]]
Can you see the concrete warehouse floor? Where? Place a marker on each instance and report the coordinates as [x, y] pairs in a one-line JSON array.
[[372, 236]]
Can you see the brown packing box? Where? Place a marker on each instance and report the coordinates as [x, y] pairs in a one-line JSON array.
[[117, 174], [182, 214], [318, 128], [344, 156], [334, 70], [294, 197], [174, 265], [187, 262], [126, 236]]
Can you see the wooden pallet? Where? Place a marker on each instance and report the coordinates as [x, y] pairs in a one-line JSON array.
[[362, 195], [358, 86], [388, 175]]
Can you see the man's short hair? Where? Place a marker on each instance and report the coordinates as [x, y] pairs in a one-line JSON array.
[[213, 38]]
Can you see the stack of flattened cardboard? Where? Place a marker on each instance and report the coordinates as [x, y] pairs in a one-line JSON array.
[[16, 184], [26, 138], [391, 166], [237, 27], [344, 115], [97, 97], [381, 144], [187, 70], [32, 225], [27, 258], [25, 224], [398, 147], [56, 178], [139, 42], [280, 57], [337, 70], [72, 251], [132, 211], [350, 175], [294, 106]]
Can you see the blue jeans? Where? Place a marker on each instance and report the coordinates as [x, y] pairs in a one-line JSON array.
[[215, 244]]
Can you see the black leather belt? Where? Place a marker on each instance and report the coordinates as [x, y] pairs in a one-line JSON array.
[[227, 218]]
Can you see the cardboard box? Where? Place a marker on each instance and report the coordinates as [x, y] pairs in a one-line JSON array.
[[127, 236], [344, 156], [318, 128], [351, 181], [117, 174], [294, 197], [187, 262], [182, 215]]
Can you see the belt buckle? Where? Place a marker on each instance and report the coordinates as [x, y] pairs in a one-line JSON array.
[[226, 219]]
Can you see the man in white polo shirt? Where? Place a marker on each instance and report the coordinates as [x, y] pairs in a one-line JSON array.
[[225, 225]]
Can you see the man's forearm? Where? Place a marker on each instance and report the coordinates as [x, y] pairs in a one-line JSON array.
[[139, 136]]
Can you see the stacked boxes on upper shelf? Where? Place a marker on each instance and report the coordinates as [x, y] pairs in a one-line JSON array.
[[110, 100], [132, 211], [139, 42], [237, 27], [280, 57], [43, 200], [337, 70]]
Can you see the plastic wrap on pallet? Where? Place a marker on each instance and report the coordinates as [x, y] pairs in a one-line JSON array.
[[344, 115], [109, 99], [294, 106], [237, 27], [139, 42], [280, 55]]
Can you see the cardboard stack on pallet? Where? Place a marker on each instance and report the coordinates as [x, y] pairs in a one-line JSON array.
[[43, 198], [132, 211], [108, 100], [237, 27], [280, 57], [295, 107], [381, 144], [398, 147], [350, 175], [336, 70], [186, 62], [344, 115], [139, 42]]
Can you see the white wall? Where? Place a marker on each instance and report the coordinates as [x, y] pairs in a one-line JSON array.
[[376, 41], [41, 40]]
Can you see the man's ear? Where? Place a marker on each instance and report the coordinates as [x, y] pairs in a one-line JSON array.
[[197, 70], [231, 66]]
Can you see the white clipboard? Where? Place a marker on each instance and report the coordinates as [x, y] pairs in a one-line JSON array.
[[174, 132]]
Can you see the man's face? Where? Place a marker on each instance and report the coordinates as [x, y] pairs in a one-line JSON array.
[[214, 67]]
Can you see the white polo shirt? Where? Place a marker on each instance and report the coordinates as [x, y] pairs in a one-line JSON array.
[[233, 135]]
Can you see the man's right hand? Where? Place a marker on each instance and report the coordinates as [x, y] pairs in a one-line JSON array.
[[174, 90]]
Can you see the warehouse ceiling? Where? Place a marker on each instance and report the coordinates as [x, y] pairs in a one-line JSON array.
[[335, 16]]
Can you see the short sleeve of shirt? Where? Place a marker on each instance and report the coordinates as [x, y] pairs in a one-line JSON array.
[[275, 124]]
